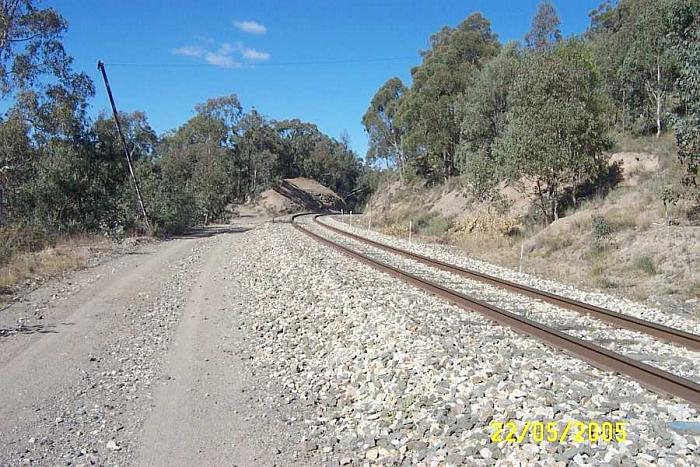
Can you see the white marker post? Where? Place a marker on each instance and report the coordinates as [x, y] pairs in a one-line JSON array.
[[410, 229], [521, 257]]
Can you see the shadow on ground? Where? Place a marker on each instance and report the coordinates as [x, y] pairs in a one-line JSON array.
[[204, 232], [29, 329]]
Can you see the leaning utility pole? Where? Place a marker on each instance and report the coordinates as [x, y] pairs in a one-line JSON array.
[[101, 67]]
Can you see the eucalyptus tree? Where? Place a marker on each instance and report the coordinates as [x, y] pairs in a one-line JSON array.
[[44, 98], [258, 146], [482, 112], [298, 140], [225, 109], [428, 111], [196, 158], [633, 44], [383, 126], [686, 25], [554, 135], [36, 72], [544, 31], [650, 57]]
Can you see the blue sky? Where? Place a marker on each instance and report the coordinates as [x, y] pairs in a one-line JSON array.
[[269, 34]]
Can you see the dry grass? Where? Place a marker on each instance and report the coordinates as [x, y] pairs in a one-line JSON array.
[[664, 147], [694, 290], [498, 249], [617, 240], [48, 262]]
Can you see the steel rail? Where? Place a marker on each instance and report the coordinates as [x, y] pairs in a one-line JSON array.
[[676, 336], [649, 376]]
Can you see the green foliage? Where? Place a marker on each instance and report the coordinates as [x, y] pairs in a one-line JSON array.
[[686, 27], [428, 223], [428, 110], [600, 227], [545, 28], [482, 112], [384, 128], [669, 196], [555, 133], [437, 226], [633, 49], [172, 206], [20, 237], [645, 264]]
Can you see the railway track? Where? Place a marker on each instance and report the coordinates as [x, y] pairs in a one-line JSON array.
[[648, 375], [676, 336]]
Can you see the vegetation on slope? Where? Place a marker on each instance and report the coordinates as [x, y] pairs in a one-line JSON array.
[[62, 174], [541, 117], [524, 135]]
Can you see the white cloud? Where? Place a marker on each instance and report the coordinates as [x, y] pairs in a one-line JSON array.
[[252, 54], [251, 27], [189, 51], [222, 60], [225, 55]]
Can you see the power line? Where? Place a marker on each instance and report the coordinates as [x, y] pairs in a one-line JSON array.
[[256, 65]]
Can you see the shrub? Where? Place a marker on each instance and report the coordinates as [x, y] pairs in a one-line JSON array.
[[645, 264], [601, 228], [437, 226], [669, 196], [21, 238]]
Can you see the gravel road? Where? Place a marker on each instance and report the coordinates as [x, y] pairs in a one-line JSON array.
[[252, 345], [135, 362]]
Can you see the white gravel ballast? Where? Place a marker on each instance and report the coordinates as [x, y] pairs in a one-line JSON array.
[[451, 255], [381, 373]]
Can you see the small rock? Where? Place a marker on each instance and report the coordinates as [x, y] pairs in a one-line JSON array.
[[113, 446], [372, 454]]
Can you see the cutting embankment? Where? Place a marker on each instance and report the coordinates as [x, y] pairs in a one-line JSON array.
[[300, 194], [627, 240]]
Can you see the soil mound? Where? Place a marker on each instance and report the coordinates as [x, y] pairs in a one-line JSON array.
[[299, 194]]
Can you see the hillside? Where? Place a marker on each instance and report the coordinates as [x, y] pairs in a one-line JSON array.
[[624, 242], [299, 194]]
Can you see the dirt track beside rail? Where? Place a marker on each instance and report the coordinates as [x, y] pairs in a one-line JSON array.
[[134, 362]]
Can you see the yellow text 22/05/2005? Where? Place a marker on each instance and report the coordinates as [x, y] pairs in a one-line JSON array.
[[538, 431]]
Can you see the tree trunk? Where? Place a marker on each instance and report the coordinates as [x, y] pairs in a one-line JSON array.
[[624, 110], [399, 157], [659, 95], [255, 180], [446, 167], [2, 204], [541, 201]]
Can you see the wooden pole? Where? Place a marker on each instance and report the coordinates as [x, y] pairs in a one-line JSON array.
[[101, 67]]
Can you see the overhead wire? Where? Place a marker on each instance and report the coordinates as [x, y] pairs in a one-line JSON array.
[[261, 65]]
